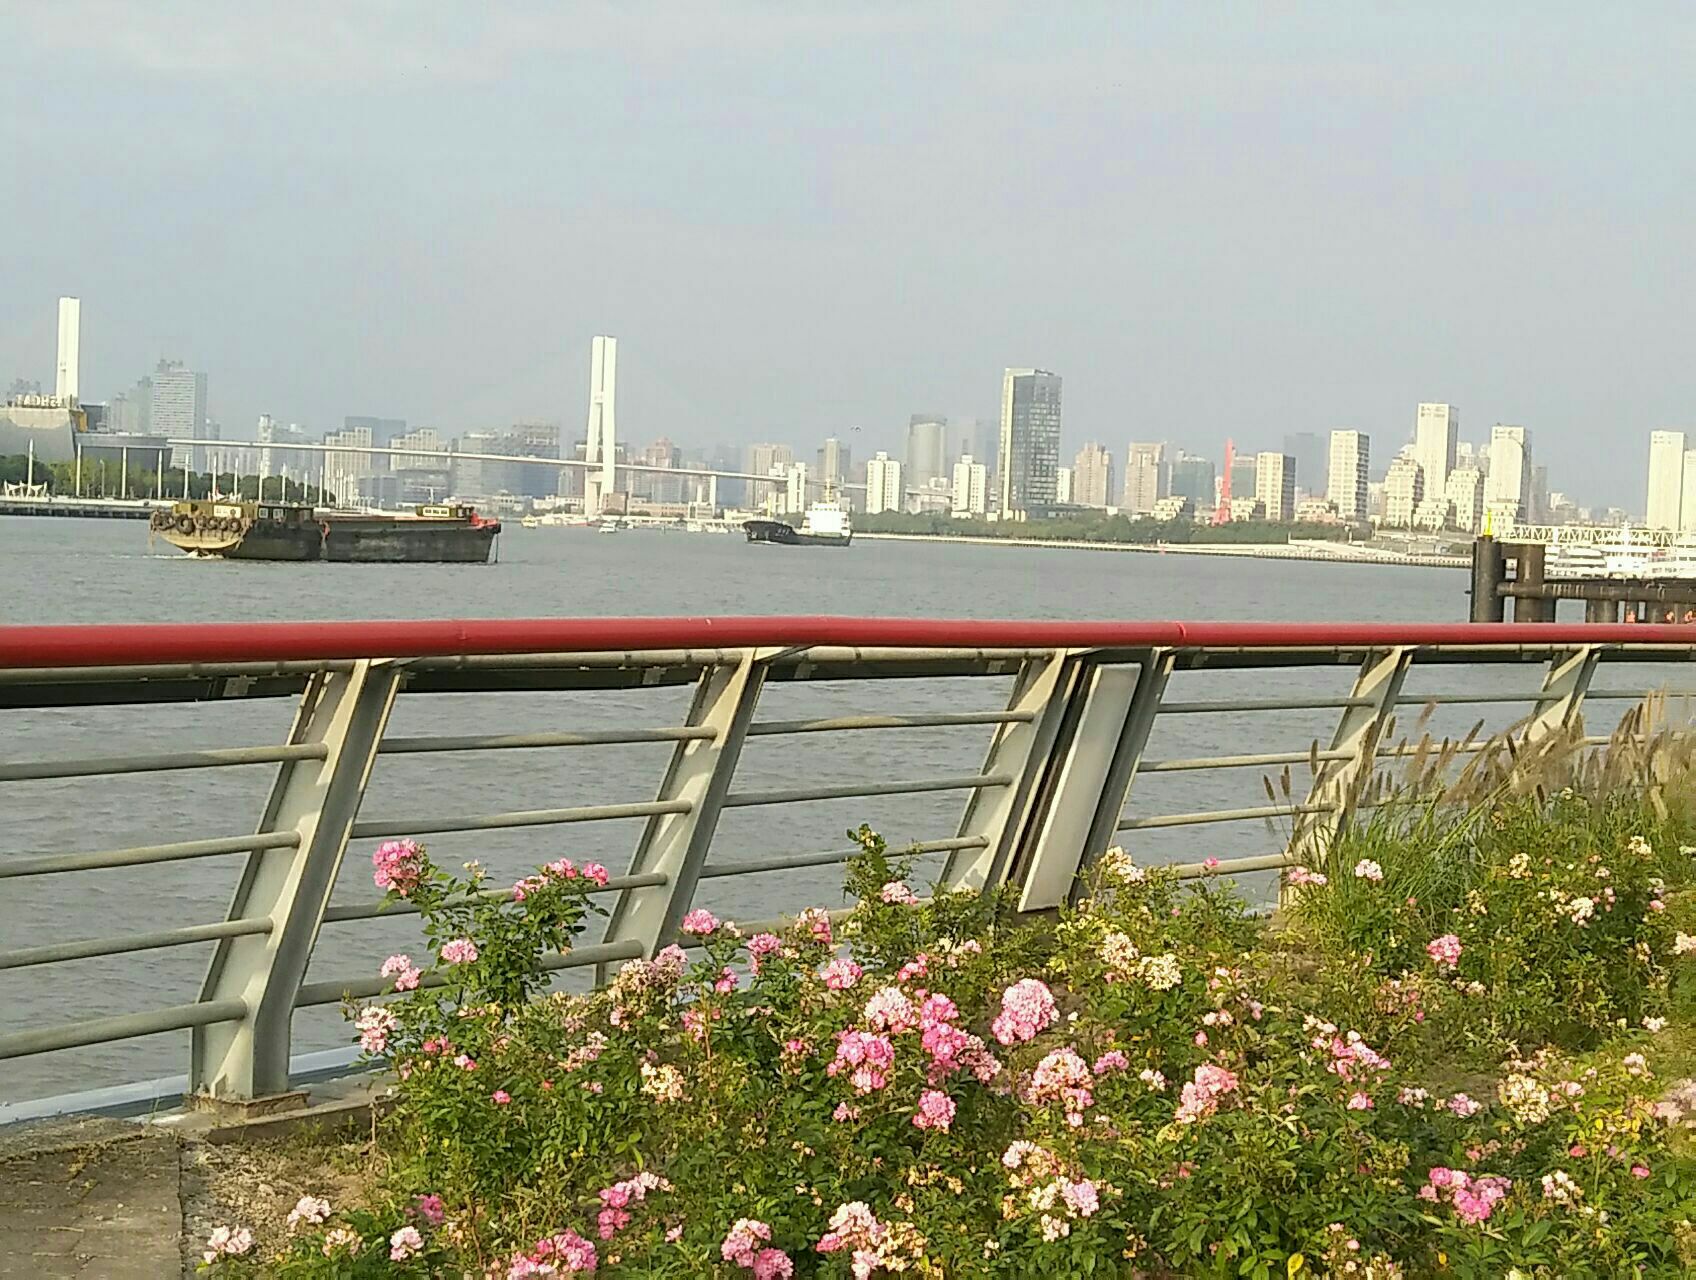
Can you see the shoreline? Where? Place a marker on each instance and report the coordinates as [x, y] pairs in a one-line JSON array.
[[1306, 550]]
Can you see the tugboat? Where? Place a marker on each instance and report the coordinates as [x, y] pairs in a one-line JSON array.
[[446, 533], [826, 524]]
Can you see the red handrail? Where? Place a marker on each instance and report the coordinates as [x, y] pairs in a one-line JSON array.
[[146, 644]]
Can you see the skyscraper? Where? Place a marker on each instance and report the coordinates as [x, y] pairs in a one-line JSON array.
[[1029, 455], [1275, 484], [1465, 498], [1092, 476], [70, 341], [1148, 477], [177, 408], [1351, 459], [927, 449], [601, 480], [883, 484], [1436, 429], [1510, 471], [835, 461], [1194, 478], [1666, 479], [1308, 450], [1404, 490], [971, 480]]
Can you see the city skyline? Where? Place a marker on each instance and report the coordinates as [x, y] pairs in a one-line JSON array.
[[304, 238], [1435, 481]]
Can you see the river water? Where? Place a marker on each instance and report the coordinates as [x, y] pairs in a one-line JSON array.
[[88, 571]]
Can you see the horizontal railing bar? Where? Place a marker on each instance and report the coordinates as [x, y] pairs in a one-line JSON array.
[[333, 991], [849, 791], [835, 654], [1637, 695], [159, 763], [1239, 762], [835, 723], [791, 862], [1264, 704], [91, 948], [1466, 699], [1260, 862], [385, 908], [386, 827], [1434, 749], [123, 1026], [519, 741], [53, 863], [1219, 815]]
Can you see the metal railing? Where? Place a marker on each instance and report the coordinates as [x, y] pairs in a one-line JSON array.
[[1062, 747]]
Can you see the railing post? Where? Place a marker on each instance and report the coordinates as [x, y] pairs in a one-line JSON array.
[[1565, 683], [318, 799], [1091, 775], [1338, 785], [1021, 748], [675, 845]]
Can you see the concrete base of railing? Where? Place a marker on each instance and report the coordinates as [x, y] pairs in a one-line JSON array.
[[240, 1109]]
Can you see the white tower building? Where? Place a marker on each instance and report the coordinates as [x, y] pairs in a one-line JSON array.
[[70, 339], [602, 448]]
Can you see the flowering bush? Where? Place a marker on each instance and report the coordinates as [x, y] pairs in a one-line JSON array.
[[1535, 922], [1153, 1084]]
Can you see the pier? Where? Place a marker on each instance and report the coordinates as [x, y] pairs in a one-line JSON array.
[[1519, 572]]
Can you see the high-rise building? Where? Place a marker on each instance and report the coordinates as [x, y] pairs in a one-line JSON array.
[[424, 439], [177, 408], [1275, 484], [971, 487], [1092, 476], [600, 481], [342, 472], [1063, 484], [1404, 490], [1346, 485], [1538, 502], [1666, 479], [835, 462], [1242, 476], [1029, 454], [1436, 429], [766, 460], [70, 342], [1465, 499], [1194, 478], [1510, 470], [927, 450], [883, 484], [1308, 450], [650, 487], [1148, 477]]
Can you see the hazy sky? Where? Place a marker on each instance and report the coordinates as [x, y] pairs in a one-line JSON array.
[[1210, 219]]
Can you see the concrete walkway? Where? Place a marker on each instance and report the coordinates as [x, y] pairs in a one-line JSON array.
[[94, 1198]]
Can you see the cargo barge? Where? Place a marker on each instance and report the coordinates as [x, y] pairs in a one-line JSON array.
[[234, 530], [826, 524]]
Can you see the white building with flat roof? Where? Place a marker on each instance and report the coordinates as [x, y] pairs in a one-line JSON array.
[[1510, 469], [971, 488], [1666, 480], [1436, 431], [883, 484], [1275, 484]]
